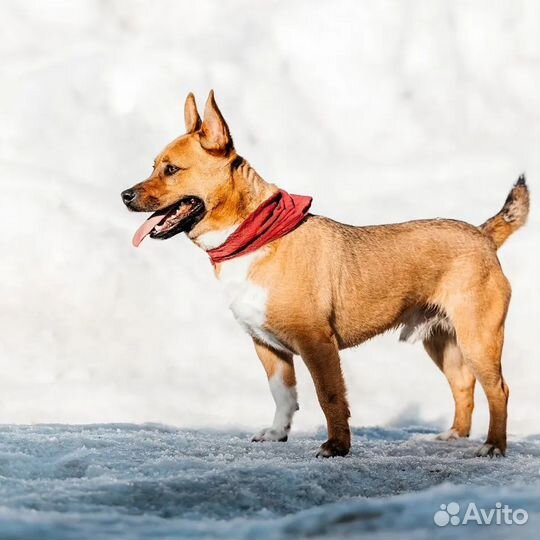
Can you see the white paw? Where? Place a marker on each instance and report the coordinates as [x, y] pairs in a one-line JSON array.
[[490, 450], [449, 435], [270, 434]]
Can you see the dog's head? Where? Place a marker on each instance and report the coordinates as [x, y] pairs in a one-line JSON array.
[[191, 179]]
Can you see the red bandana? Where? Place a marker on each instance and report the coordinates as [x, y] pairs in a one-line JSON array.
[[274, 218]]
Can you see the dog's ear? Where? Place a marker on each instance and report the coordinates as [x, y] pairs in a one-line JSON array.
[[191, 115], [215, 135]]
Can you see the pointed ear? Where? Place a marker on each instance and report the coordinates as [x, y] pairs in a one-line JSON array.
[[191, 115], [215, 135]]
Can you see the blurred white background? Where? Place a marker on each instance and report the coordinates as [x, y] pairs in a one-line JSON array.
[[383, 111]]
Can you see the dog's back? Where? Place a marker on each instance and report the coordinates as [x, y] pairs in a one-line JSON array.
[[370, 279]]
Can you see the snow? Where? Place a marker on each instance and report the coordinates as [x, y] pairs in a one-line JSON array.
[[153, 481], [382, 111]]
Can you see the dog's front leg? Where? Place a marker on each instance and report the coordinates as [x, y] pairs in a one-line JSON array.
[[279, 368], [322, 359]]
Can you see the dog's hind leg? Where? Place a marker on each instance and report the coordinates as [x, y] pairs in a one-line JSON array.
[[479, 324], [279, 368], [445, 352]]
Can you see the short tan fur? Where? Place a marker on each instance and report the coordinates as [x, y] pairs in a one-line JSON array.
[[332, 286]]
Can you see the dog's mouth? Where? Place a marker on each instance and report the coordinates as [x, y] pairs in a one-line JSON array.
[[179, 217]]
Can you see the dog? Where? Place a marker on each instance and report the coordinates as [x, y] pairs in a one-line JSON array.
[[303, 284]]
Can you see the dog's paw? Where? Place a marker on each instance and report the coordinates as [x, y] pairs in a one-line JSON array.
[[489, 450], [333, 448], [449, 435], [270, 435]]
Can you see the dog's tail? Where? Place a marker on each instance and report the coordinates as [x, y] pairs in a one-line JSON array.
[[512, 215]]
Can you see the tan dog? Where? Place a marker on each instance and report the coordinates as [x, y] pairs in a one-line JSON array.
[[327, 286]]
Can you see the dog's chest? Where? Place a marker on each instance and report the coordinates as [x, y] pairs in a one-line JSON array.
[[247, 300]]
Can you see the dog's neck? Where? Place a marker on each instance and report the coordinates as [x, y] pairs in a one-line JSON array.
[[245, 193], [251, 187]]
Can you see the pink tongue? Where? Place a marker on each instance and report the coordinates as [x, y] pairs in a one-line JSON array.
[[145, 229]]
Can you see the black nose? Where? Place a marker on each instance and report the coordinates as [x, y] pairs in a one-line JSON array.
[[129, 195]]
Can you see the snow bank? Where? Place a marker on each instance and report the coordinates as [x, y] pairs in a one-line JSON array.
[[382, 111], [152, 481]]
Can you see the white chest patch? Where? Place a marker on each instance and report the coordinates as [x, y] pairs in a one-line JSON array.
[[247, 300]]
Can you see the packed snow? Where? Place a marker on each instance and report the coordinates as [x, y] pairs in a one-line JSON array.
[[114, 481], [383, 112]]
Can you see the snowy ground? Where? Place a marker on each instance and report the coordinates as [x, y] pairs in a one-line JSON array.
[[383, 111], [61, 482]]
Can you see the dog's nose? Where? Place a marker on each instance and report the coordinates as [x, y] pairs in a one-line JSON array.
[[128, 195]]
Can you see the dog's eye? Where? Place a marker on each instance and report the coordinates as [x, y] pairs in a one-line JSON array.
[[171, 169]]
